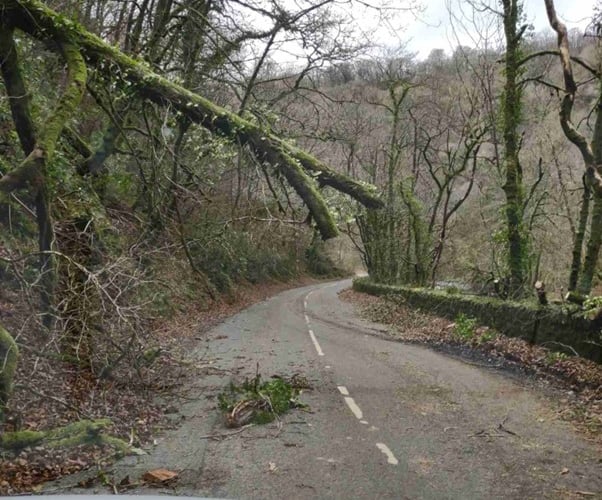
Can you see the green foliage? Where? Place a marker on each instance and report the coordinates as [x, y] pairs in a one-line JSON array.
[[319, 263], [552, 357], [465, 327], [486, 336], [592, 309], [592, 304], [233, 256], [278, 393]]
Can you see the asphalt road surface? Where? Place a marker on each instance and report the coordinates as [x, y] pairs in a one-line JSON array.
[[387, 419]]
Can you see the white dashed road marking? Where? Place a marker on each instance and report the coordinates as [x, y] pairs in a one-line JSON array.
[[315, 341], [388, 453], [311, 332], [355, 409]]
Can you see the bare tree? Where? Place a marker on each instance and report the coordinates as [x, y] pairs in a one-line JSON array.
[[591, 152]]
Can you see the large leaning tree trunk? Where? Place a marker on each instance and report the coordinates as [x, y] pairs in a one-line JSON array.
[[300, 169], [582, 275]]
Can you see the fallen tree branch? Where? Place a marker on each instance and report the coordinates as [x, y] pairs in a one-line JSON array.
[[564, 346], [74, 434], [225, 435]]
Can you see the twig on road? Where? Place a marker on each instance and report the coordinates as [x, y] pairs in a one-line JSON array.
[[502, 428], [227, 435]]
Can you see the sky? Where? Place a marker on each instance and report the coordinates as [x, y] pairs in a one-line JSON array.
[[432, 28], [421, 31]]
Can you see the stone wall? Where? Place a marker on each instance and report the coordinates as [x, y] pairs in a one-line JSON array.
[[545, 325]]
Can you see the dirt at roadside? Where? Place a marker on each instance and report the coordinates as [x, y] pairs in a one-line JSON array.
[[578, 381]]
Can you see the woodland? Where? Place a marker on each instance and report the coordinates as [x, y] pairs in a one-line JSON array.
[[159, 156]]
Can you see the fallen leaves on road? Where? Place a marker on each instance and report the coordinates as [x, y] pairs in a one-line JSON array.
[[159, 476]]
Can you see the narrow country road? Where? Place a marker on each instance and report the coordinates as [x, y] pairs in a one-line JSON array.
[[387, 420]]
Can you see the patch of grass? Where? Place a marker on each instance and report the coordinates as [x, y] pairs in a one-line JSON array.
[[465, 327], [552, 357], [486, 336]]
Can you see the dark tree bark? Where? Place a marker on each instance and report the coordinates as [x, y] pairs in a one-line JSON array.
[[579, 237], [16, 89]]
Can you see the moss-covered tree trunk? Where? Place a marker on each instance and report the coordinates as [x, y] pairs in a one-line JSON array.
[[75, 434], [9, 354], [579, 237], [511, 113], [594, 243], [590, 263]]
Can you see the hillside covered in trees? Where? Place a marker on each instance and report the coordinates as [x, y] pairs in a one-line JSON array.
[[158, 157]]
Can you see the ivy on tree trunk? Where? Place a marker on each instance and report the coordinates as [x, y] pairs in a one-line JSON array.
[[511, 112], [579, 237], [32, 172]]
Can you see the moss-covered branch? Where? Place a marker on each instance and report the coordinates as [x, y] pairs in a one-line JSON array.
[[32, 171], [44, 24], [74, 434], [77, 142]]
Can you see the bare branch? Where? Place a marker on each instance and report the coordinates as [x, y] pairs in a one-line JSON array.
[[571, 89]]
